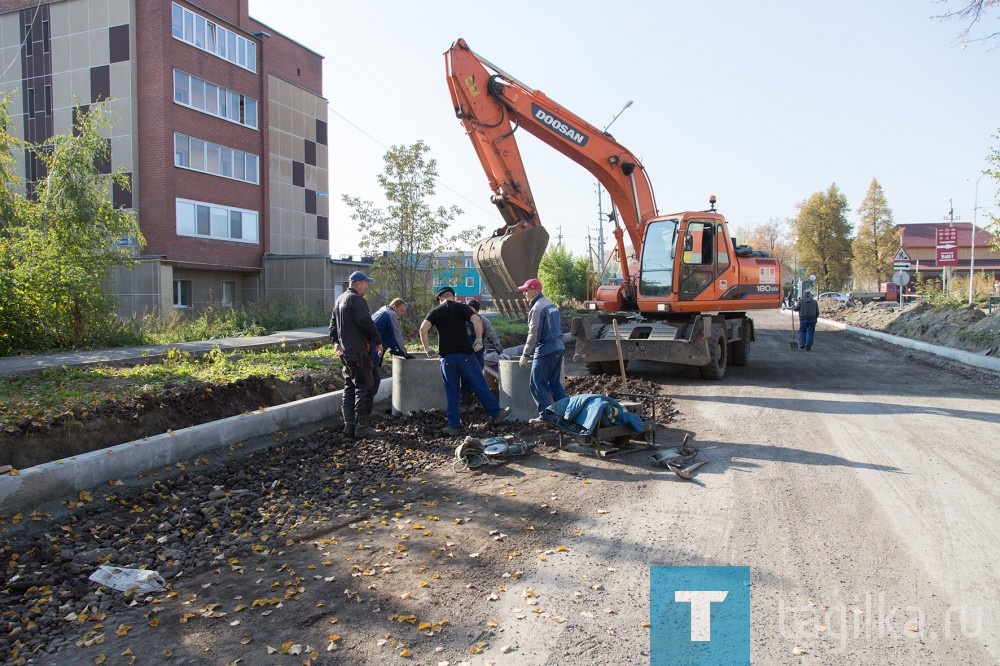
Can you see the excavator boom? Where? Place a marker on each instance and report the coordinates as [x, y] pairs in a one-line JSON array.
[[493, 106]]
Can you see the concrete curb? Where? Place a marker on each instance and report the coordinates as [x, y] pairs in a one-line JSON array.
[[976, 360], [59, 477]]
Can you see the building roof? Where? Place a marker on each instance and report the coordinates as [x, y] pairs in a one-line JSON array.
[[925, 235]]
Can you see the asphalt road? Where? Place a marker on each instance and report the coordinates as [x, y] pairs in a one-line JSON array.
[[858, 481]]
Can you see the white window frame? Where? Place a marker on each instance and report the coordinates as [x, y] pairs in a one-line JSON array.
[[470, 282], [194, 29], [228, 293], [229, 104], [182, 294], [210, 156], [219, 221]]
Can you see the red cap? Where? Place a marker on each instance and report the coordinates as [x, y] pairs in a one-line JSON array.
[[533, 283]]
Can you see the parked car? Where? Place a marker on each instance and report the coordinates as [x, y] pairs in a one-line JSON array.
[[835, 295]]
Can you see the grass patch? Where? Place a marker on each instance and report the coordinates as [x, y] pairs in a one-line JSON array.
[[61, 390]]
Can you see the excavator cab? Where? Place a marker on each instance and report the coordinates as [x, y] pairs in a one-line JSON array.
[[506, 261]]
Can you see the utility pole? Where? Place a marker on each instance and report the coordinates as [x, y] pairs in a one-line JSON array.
[[600, 201], [559, 237]]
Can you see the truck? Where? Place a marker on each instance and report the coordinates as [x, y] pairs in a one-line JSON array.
[[890, 292], [686, 285]]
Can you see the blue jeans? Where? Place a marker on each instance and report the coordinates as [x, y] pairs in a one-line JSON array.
[[463, 369], [807, 327], [546, 380]]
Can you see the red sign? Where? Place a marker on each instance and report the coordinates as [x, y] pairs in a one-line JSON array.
[[947, 246]]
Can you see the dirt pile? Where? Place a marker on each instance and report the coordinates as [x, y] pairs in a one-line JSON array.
[[966, 328]]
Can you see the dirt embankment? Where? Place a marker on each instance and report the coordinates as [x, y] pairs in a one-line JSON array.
[[965, 328]]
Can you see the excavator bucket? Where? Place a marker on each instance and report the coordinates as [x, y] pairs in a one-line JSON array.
[[506, 262]]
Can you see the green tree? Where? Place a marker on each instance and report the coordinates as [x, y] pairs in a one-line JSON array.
[[824, 238], [409, 232], [877, 240], [61, 245], [563, 276]]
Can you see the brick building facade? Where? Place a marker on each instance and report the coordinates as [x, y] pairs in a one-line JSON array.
[[221, 127]]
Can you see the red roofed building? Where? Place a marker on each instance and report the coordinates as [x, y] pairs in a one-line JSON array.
[[920, 242]]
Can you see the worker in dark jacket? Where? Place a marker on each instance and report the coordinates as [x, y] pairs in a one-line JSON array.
[[808, 310], [353, 332]]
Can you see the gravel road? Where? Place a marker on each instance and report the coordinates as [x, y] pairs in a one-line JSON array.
[[858, 481]]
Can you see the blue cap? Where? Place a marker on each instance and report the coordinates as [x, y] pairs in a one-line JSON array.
[[358, 276]]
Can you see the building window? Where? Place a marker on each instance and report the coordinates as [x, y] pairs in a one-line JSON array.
[[29, 44], [468, 263], [45, 37], [31, 102], [207, 157], [200, 219], [228, 294], [470, 282], [212, 38], [182, 293], [48, 100], [215, 100]]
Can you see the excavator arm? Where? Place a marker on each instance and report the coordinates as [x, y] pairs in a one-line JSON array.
[[493, 106]]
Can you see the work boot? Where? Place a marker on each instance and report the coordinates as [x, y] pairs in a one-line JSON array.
[[501, 415], [349, 421], [365, 431], [452, 432]]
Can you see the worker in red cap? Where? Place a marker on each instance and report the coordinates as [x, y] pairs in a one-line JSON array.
[[543, 350]]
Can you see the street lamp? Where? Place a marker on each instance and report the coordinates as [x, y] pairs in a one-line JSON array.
[[972, 241], [600, 209]]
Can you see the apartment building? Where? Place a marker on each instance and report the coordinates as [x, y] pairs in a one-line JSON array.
[[221, 128]]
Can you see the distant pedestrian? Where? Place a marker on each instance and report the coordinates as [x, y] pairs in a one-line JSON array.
[[808, 310], [353, 333], [543, 350], [390, 331], [458, 357]]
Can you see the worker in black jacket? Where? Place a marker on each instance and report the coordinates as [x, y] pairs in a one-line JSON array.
[[808, 310], [353, 332]]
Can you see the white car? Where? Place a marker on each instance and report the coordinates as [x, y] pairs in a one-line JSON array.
[[835, 295]]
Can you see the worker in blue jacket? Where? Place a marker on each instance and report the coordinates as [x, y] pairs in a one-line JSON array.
[[389, 330], [543, 350]]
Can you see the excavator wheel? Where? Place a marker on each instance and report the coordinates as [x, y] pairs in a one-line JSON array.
[[717, 348], [739, 351]]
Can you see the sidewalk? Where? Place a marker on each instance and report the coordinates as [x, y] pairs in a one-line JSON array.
[[11, 366]]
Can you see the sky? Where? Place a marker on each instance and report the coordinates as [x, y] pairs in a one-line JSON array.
[[761, 104]]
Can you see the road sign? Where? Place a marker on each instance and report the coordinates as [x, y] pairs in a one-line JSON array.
[[901, 265], [947, 246], [902, 257], [901, 278]]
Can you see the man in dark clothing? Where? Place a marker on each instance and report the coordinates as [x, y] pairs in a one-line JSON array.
[[808, 310], [353, 332], [458, 357]]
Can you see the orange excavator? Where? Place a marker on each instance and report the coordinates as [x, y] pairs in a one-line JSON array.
[[685, 285]]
